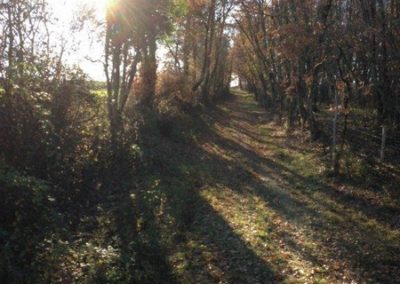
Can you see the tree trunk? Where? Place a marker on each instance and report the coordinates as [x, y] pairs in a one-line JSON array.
[[149, 75]]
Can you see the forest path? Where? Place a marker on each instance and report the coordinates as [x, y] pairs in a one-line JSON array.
[[262, 213]]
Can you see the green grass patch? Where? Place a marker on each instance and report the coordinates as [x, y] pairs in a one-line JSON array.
[[100, 93]]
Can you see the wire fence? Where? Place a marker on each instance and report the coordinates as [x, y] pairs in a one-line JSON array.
[[357, 137]]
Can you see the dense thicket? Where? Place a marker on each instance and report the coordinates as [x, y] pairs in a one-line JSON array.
[[297, 54]]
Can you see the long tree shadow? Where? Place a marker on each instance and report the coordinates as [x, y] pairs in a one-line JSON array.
[[168, 233], [191, 241], [208, 249], [381, 212], [143, 255], [355, 238]]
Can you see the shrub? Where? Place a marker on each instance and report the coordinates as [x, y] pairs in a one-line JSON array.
[[27, 218]]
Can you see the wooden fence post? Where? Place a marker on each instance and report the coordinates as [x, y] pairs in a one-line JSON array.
[[382, 153], [335, 162]]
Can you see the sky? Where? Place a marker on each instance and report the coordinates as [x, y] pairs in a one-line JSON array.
[[84, 44], [79, 45]]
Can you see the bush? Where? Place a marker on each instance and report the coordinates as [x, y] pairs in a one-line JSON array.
[[27, 218]]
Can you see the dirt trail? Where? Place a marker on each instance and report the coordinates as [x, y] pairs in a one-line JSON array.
[[263, 214]]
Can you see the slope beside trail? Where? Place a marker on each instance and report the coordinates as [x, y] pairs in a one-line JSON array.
[[260, 210]]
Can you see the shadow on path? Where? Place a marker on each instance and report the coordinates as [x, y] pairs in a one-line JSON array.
[[237, 211], [330, 231]]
